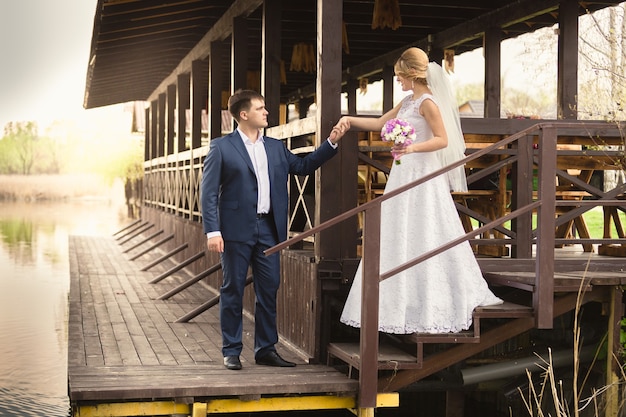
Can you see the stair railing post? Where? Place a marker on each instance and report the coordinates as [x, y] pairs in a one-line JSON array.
[[522, 196], [368, 349], [543, 296]]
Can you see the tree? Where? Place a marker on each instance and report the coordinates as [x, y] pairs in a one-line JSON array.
[[602, 83], [19, 147]]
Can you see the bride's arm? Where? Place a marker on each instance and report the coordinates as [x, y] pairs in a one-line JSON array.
[[367, 123]]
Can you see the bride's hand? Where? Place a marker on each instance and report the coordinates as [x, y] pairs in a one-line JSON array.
[[400, 149], [343, 124]]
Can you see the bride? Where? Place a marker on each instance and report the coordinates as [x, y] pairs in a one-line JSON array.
[[439, 294]]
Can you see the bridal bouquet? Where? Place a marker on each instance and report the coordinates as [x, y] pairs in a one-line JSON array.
[[400, 132]]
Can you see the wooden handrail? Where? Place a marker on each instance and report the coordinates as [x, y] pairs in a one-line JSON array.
[[543, 296]]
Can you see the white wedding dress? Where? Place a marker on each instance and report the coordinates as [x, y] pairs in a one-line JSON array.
[[437, 295]]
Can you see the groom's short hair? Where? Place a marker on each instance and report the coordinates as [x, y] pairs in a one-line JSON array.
[[241, 100]]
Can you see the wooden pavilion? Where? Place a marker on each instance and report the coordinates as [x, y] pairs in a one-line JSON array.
[[185, 57]]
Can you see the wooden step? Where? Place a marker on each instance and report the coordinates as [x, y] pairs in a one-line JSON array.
[[466, 336], [506, 310], [389, 357], [563, 282]]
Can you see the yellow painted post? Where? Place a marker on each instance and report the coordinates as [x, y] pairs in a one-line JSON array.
[[199, 410], [365, 412]]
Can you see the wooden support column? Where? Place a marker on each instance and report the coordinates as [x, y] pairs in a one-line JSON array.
[[198, 98], [613, 366], [349, 178], [182, 98], [270, 61], [239, 54], [217, 84], [368, 348], [146, 135], [303, 106], [332, 195], [567, 78], [171, 119], [351, 87], [162, 120], [388, 75], [493, 93], [154, 117], [543, 295], [435, 55], [522, 177], [455, 403]]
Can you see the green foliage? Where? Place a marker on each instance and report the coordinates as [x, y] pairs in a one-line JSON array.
[[66, 149], [19, 147], [467, 92]]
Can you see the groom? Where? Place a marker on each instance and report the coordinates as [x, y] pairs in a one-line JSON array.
[[244, 212]]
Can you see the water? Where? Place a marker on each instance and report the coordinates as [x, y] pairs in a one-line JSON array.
[[34, 288]]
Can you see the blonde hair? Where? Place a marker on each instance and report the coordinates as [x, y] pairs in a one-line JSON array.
[[412, 65]]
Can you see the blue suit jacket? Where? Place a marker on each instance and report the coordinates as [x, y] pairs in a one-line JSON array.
[[229, 186]]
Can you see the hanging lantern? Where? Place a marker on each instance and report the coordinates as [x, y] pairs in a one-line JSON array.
[[302, 58], [296, 58], [386, 14], [363, 82], [448, 60]]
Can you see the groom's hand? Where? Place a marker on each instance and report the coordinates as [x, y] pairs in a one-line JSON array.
[[215, 244], [336, 134]]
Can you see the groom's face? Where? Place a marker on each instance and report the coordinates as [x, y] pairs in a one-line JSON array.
[[256, 116]]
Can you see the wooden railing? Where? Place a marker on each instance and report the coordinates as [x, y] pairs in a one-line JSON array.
[[522, 236], [172, 183]]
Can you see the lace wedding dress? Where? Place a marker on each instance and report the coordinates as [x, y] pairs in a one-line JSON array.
[[437, 295]]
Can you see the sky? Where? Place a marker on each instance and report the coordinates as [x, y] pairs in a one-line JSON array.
[[44, 50]]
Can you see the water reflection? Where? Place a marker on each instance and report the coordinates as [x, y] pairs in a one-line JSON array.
[[34, 286]]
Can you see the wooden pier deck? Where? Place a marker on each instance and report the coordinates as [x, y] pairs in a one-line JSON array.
[[128, 356]]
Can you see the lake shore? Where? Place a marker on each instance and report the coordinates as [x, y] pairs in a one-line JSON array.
[[65, 187]]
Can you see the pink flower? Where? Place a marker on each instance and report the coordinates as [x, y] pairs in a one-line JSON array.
[[400, 132]]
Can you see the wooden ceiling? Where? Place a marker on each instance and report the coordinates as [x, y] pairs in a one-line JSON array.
[[136, 44]]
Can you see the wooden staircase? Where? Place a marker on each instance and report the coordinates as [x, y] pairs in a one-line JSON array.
[[396, 356]]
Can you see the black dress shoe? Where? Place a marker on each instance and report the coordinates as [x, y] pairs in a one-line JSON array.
[[232, 362], [274, 359]]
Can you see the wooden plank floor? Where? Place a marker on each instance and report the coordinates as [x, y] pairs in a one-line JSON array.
[[124, 344]]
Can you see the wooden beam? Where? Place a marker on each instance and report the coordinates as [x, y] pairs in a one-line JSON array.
[[217, 84], [473, 29], [567, 68], [171, 119], [219, 31], [613, 366], [270, 59], [183, 84], [239, 54], [388, 76], [328, 186], [146, 135], [493, 38], [161, 125], [154, 127], [521, 177], [198, 98], [543, 296]]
